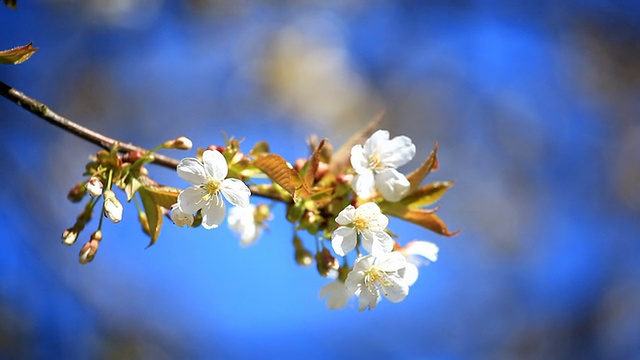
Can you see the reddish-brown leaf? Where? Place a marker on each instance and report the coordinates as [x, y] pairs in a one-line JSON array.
[[312, 165], [425, 218], [427, 194], [277, 169], [18, 54], [416, 177]]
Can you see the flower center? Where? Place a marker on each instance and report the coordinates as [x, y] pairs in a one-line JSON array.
[[375, 278], [212, 186], [374, 163], [359, 223]]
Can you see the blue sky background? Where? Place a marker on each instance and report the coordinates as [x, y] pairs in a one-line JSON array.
[[534, 106]]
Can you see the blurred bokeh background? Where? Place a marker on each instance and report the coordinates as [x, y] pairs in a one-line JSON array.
[[535, 106]]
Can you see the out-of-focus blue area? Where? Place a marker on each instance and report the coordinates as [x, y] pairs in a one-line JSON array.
[[534, 106]]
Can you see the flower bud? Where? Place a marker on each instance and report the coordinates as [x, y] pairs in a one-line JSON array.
[[302, 256], [97, 235], [77, 192], [70, 236], [132, 156], [88, 251], [179, 218], [181, 143], [112, 207], [325, 262], [94, 186]]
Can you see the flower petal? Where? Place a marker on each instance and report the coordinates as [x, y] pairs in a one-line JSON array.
[[359, 161], [336, 293], [426, 249], [343, 240], [213, 213], [191, 200], [397, 151], [235, 191], [370, 212], [390, 262], [368, 299], [192, 170], [397, 289], [376, 242], [215, 164], [375, 142], [345, 217], [363, 184], [409, 274], [392, 185]]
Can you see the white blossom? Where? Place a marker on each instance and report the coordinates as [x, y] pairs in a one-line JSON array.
[[336, 293], [247, 223], [373, 275], [417, 253], [367, 221], [180, 218], [209, 180], [112, 207], [375, 165], [94, 187]]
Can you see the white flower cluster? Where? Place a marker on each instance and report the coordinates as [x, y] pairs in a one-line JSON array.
[[382, 267], [383, 271]]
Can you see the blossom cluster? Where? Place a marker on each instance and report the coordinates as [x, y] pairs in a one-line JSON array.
[[386, 270], [342, 198]]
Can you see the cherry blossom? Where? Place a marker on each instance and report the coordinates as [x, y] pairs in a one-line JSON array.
[[373, 275], [209, 182], [375, 165]]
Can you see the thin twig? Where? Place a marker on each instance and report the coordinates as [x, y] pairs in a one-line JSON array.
[[42, 111]]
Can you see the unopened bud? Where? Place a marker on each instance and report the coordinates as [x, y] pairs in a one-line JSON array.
[[180, 218], [132, 156], [88, 251], [94, 186], [112, 207], [299, 163], [181, 143], [322, 170], [77, 192], [344, 178], [70, 236], [97, 235], [326, 263], [302, 256]]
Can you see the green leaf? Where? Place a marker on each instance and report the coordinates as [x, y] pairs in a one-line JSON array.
[[416, 177], [131, 187], [425, 218], [341, 158], [17, 55], [164, 196], [427, 195], [153, 212], [261, 147]]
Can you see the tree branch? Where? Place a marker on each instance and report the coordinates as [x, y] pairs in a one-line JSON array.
[[42, 111]]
